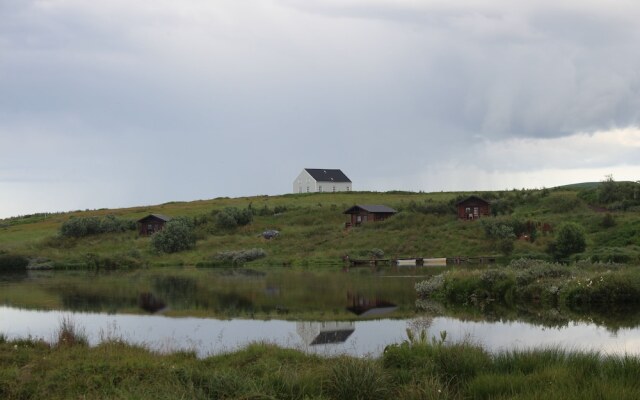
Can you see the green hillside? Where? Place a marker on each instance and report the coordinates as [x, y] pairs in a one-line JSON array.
[[312, 228]]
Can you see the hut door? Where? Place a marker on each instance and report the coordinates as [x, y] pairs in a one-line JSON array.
[[475, 212]]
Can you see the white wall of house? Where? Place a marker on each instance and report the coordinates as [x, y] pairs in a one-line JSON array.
[[305, 183]]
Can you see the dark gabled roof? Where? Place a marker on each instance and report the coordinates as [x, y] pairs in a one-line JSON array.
[[372, 208], [472, 198], [156, 216], [327, 175]]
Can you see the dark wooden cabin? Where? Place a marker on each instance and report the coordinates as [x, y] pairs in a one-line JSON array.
[[151, 224], [368, 213], [473, 207]]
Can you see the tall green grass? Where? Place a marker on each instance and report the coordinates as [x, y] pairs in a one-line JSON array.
[[418, 369]]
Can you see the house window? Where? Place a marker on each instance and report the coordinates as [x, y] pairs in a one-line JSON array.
[[348, 188], [307, 189], [334, 188], [319, 188]]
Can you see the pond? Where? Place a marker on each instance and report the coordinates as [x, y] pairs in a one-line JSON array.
[[357, 312]]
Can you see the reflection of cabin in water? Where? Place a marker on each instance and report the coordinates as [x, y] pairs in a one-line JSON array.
[[364, 306], [473, 207], [315, 333], [151, 224], [366, 213]]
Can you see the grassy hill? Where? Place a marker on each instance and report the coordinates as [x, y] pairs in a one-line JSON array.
[[312, 229]]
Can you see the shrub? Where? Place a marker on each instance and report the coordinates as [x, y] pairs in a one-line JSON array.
[[431, 286], [78, 227], [225, 220], [12, 262], [506, 246], [176, 236], [238, 258], [570, 239], [231, 217], [70, 335]]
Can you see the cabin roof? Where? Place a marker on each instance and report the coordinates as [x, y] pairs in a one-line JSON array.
[[327, 175], [472, 198], [372, 208], [156, 216]]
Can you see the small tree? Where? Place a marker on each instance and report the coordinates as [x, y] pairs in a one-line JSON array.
[[176, 236], [570, 239]]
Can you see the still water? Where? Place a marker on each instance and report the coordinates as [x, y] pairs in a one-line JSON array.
[[207, 311]]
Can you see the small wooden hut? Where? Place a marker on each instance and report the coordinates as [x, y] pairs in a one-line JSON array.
[[151, 224], [368, 213], [473, 207]]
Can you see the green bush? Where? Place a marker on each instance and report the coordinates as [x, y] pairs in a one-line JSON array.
[[177, 235], [78, 227], [570, 239], [231, 217], [237, 258]]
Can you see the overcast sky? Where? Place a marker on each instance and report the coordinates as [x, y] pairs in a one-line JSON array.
[[111, 103]]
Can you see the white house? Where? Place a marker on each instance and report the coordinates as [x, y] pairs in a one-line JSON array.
[[321, 180]]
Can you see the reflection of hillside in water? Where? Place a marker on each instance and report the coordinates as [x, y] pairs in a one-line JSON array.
[[612, 318], [315, 333]]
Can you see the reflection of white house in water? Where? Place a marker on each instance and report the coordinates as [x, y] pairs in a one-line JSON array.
[[313, 333]]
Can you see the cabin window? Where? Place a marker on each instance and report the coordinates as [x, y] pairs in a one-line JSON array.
[[467, 210], [475, 211]]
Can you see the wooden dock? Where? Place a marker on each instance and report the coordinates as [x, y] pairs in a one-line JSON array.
[[422, 261]]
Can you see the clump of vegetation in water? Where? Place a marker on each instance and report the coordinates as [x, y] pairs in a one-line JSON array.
[[77, 227], [596, 285], [69, 334]]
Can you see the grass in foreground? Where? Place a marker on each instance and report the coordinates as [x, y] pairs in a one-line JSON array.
[[416, 369]]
